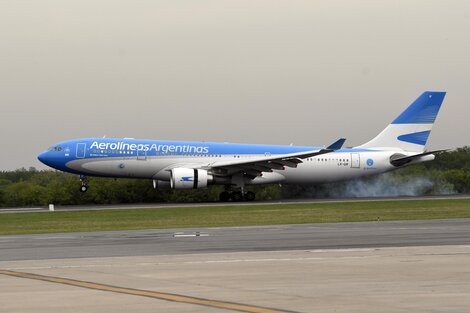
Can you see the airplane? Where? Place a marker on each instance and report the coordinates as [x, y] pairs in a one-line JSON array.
[[192, 165]]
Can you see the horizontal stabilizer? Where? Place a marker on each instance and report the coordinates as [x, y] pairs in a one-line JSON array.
[[400, 159]]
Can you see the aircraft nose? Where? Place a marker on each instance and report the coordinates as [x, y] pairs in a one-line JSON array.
[[43, 157]]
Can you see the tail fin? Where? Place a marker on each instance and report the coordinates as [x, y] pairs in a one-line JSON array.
[[411, 129]]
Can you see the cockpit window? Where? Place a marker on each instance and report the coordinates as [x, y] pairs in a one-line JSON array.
[[55, 149]]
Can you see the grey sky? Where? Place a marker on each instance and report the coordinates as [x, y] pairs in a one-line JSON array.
[[280, 72]]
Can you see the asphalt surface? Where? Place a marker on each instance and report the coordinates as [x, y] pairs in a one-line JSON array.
[[185, 204], [236, 239]]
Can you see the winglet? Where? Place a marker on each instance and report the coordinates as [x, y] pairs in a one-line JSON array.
[[337, 144]]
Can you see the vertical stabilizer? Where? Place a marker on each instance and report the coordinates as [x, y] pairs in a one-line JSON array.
[[411, 129]]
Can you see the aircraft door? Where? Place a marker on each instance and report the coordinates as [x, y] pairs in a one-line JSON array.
[[141, 155], [81, 150], [355, 160]]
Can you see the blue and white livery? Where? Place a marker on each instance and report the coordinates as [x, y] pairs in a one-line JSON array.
[[186, 164]]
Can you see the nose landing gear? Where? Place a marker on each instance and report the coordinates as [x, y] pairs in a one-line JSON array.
[[84, 186]]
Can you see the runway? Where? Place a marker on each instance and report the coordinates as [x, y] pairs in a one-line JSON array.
[[402, 266], [236, 239]]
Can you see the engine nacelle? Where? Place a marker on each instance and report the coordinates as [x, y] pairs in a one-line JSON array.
[[161, 184], [189, 178]]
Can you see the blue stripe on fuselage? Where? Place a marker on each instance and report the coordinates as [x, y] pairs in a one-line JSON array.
[[109, 147]]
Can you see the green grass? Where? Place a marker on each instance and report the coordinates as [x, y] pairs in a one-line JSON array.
[[214, 216]]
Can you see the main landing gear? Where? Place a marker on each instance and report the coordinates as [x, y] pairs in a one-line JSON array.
[[84, 186], [236, 196], [236, 190]]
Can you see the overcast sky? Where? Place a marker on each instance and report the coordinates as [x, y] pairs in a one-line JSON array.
[[278, 72]]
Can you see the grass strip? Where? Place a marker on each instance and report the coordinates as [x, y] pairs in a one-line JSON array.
[[216, 216]]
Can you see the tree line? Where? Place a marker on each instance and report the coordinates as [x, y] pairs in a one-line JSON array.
[[448, 173]]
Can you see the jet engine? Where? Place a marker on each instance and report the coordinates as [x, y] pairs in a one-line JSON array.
[[161, 184], [189, 178]]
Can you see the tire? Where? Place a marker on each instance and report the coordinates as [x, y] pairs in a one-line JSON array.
[[250, 196], [224, 196], [236, 196], [83, 188]]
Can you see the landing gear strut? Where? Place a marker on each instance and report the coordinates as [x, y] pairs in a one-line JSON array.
[[84, 186]]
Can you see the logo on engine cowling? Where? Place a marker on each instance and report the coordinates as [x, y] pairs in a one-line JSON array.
[[187, 178]]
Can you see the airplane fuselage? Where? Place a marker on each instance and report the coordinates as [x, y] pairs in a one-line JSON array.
[[152, 159]]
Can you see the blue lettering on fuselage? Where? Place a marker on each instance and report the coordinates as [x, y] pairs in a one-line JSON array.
[[165, 148]]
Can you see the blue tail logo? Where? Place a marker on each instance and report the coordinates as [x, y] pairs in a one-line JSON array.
[[419, 138], [423, 110]]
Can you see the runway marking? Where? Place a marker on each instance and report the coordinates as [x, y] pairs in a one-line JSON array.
[[194, 234], [147, 293]]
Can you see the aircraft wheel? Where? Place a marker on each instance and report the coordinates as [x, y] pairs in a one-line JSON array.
[[250, 196], [236, 196], [224, 196], [83, 188]]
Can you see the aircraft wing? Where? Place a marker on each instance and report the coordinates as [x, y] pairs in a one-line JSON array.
[[256, 166]]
